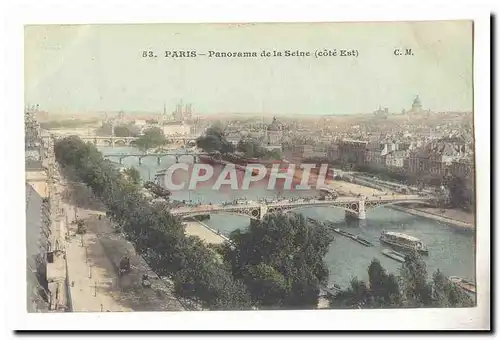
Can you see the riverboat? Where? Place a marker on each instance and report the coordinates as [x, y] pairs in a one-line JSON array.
[[403, 241], [394, 255], [464, 284]]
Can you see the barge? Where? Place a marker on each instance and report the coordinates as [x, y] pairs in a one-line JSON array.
[[344, 233], [394, 255]]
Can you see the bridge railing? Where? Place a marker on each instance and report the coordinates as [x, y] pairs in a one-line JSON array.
[[309, 203]]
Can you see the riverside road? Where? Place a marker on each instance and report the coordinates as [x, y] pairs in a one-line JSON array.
[[451, 249]]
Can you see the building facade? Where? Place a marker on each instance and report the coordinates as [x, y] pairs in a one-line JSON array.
[[332, 153], [176, 128], [437, 157], [274, 135], [352, 153]]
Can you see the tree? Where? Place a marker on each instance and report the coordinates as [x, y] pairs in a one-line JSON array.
[[126, 131], [252, 148], [133, 175], [152, 137], [415, 289], [384, 288], [447, 294], [214, 139], [280, 260], [266, 284], [461, 191], [273, 154], [106, 129], [357, 295], [209, 281]]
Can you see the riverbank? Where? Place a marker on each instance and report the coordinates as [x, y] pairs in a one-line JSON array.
[[351, 189], [436, 217], [197, 228]]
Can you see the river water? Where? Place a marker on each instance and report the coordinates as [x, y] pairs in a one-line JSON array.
[[451, 249]]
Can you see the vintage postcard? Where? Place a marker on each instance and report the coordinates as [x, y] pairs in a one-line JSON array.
[[250, 167]]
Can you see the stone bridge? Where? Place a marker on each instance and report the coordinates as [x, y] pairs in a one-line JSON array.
[[353, 206], [127, 141], [158, 156]]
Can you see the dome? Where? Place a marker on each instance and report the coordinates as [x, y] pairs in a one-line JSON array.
[[416, 101], [274, 126]]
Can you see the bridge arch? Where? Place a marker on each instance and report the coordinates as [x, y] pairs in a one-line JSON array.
[[120, 142], [374, 204], [254, 214], [352, 207]]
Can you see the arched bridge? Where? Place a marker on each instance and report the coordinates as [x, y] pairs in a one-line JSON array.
[[127, 141], [158, 156], [354, 206]]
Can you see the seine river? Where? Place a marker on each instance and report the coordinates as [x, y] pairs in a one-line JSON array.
[[451, 249]]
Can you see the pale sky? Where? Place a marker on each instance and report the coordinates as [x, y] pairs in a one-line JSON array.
[[76, 69]]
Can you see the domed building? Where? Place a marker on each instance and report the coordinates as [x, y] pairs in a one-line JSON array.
[[274, 135], [416, 107]]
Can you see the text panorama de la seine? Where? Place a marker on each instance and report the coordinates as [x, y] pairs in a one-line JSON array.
[[253, 54]]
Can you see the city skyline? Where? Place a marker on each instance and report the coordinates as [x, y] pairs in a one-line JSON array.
[[84, 69]]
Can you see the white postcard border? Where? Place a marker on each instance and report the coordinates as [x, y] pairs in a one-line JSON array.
[[13, 174]]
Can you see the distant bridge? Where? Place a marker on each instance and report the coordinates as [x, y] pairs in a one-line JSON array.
[[158, 156], [126, 141], [353, 206]]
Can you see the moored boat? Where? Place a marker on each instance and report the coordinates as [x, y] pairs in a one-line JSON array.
[[363, 241], [403, 241], [394, 255], [353, 237], [464, 284]]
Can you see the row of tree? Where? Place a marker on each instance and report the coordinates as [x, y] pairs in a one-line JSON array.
[[121, 130], [159, 237], [215, 139], [149, 138], [460, 189], [252, 148], [67, 123], [410, 289]]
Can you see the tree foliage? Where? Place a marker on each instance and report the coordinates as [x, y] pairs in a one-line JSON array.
[[122, 130], [67, 123], [410, 289], [133, 175], [128, 130], [280, 260], [214, 139], [252, 148], [461, 191], [156, 234], [151, 138]]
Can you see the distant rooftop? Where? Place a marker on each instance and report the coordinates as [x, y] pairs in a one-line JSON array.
[[354, 141]]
